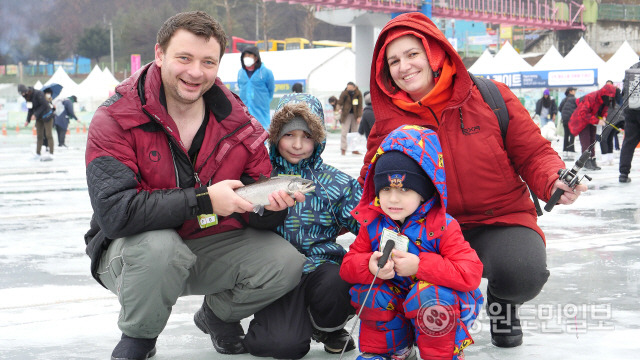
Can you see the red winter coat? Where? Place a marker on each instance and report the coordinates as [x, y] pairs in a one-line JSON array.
[[139, 175], [587, 111], [484, 174]]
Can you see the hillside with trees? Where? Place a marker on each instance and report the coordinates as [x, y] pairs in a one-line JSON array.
[[35, 30]]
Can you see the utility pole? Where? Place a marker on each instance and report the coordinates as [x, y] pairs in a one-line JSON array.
[[258, 27], [113, 71]]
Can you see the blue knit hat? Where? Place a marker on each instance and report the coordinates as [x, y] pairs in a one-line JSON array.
[[395, 169]]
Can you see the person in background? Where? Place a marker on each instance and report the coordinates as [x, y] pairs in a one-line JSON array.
[[48, 94], [613, 124], [546, 108], [333, 101], [631, 122], [418, 78], [42, 113], [297, 88], [350, 103], [567, 107], [368, 119], [591, 111], [256, 85], [64, 112], [319, 307], [163, 157]]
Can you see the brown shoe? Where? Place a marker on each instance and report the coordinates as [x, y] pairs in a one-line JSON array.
[[356, 153], [343, 152]]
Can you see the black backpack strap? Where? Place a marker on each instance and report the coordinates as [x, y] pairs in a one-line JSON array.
[[493, 98], [491, 95]]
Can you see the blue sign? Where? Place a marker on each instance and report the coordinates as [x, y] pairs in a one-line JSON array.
[[550, 78]]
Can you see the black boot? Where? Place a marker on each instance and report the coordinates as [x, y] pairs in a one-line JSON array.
[[505, 328], [595, 166], [589, 165], [134, 349], [624, 178], [334, 341], [226, 337]]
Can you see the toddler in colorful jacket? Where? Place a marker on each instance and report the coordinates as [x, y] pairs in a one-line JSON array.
[[427, 293]]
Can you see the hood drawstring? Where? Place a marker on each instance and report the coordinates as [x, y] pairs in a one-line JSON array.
[[461, 121]]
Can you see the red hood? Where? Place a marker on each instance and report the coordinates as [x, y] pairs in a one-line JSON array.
[[388, 116]]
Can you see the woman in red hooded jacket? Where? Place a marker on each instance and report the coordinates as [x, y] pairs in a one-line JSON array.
[[592, 110], [418, 78]]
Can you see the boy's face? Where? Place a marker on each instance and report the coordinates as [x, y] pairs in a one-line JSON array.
[[399, 203], [295, 146]]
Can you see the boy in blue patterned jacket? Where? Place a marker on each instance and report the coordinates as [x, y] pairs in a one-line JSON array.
[[319, 306], [427, 293]]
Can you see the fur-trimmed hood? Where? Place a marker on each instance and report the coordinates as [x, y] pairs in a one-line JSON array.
[[309, 108]]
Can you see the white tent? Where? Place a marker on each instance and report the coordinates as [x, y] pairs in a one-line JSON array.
[[508, 60], [552, 60], [484, 64], [614, 68], [326, 71], [582, 56], [38, 85], [69, 87], [94, 90], [109, 78]]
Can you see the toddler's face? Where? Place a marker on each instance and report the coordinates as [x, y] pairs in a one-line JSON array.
[[295, 146], [399, 203]]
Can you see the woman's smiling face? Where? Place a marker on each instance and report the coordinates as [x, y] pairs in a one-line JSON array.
[[409, 66]]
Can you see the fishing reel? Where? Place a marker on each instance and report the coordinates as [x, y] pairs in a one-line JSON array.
[[569, 177]]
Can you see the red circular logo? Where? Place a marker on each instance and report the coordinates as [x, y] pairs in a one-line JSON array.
[[435, 319]]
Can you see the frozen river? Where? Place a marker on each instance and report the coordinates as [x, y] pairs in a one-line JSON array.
[[51, 308]]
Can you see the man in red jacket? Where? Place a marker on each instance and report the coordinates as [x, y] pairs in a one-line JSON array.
[[164, 155]]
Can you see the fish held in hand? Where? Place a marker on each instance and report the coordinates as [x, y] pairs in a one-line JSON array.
[[258, 192]]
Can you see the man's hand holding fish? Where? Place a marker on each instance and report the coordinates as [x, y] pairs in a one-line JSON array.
[[225, 201]]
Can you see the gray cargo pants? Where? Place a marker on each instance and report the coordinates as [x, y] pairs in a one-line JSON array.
[[240, 272]]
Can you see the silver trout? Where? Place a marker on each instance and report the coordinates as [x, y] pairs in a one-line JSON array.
[[258, 192]]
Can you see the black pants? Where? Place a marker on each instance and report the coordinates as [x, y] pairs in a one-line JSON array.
[[514, 259], [608, 136], [62, 133], [631, 140], [569, 139], [283, 329]]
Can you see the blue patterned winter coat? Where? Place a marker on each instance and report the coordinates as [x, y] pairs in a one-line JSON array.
[[312, 226]]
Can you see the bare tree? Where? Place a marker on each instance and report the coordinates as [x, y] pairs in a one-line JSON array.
[[265, 22], [228, 7], [310, 21]]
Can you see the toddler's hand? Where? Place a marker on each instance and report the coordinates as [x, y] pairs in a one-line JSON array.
[[386, 272], [405, 263]]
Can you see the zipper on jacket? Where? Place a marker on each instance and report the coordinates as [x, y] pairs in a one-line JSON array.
[[218, 144], [171, 141]]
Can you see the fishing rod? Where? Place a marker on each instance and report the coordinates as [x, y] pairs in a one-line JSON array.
[[570, 176], [381, 262]]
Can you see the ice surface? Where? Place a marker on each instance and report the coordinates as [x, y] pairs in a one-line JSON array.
[[51, 308]]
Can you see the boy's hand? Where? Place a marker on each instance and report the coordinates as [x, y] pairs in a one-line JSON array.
[[280, 200], [386, 272], [405, 263]]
